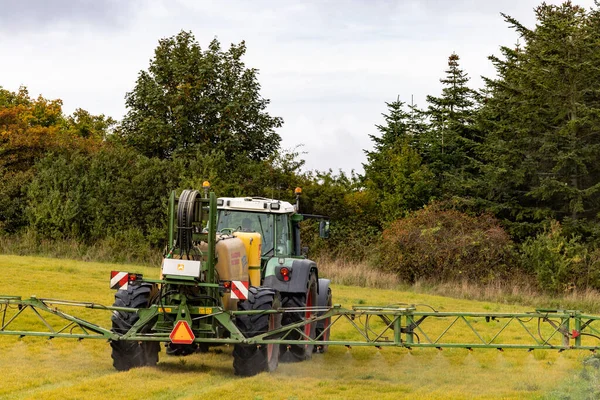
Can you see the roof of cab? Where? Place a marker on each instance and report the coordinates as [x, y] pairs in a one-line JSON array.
[[256, 204]]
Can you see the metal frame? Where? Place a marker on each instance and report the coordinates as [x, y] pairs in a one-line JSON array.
[[391, 326]]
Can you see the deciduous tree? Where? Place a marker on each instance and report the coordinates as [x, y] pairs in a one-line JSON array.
[[192, 99]]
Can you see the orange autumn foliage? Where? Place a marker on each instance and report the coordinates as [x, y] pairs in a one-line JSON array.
[[31, 128]]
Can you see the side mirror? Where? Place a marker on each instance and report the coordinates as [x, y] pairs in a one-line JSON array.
[[324, 229]]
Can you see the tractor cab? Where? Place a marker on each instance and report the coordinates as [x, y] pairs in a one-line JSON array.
[[274, 220]]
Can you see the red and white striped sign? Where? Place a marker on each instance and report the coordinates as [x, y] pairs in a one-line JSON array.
[[119, 280], [239, 290]]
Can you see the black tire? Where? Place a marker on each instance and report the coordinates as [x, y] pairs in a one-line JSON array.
[[299, 352], [131, 354], [249, 360], [323, 331]]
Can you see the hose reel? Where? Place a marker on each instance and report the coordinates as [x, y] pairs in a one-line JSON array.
[[185, 217]]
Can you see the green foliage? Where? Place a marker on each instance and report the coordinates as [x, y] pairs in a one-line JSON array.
[[353, 210], [190, 99], [446, 245], [12, 199], [95, 196], [85, 125], [275, 177], [29, 129], [450, 143], [560, 263], [541, 115], [404, 183], [394, 174]]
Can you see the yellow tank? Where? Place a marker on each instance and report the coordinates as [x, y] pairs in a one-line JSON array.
[[252, 243], [232, 264]]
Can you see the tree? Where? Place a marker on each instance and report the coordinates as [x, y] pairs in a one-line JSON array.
[[395, 128], [88, 197], [449, 147], [190, 99], [542, 115], [353, 209], [85, 125], [394, 173], [30, 129]]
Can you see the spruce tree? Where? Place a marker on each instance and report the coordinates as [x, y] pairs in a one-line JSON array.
[[542, 115], [450, 144], [394, 173], [396, 127]]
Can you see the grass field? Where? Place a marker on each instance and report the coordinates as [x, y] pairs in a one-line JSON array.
[[33, 368]]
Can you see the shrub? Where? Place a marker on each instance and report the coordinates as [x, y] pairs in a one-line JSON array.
[[559, 263], [446, 245], [89, 197]]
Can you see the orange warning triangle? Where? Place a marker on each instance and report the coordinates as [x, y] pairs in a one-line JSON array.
[[182, 333]]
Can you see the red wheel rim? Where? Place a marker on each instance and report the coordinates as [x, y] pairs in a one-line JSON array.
[[308, 314]]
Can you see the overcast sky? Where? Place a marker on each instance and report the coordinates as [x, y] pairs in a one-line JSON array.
[[328, 67]]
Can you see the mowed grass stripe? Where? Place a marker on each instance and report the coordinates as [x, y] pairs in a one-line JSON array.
[[34, 368]]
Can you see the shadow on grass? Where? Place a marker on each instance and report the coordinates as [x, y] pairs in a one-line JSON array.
[[181, 366]]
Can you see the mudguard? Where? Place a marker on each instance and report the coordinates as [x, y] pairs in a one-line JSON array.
[[300, 272]]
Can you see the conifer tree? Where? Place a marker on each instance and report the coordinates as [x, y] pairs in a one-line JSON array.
[[542, 114], [396, 127], [450, 144], [394, 173]]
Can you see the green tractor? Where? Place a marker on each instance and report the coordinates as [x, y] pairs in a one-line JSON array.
[[232, 267], [234, 274]]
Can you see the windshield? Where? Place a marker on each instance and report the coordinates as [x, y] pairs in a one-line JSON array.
[[268, 225], [249, 222]]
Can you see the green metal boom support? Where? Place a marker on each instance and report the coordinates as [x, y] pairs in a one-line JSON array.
[[391, 326]]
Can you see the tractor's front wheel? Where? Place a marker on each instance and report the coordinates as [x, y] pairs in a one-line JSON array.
[[128, 354], [300, 352], [249, 360]]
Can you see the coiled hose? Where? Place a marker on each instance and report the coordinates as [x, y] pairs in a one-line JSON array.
[[185, 217]]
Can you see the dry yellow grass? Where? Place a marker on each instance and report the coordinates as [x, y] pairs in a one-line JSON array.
[[343, 272], [37, 368], [520, 290]]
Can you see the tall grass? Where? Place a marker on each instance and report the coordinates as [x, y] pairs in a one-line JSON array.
[[350, 273], [519, 290], [515, 291], [127, 247]]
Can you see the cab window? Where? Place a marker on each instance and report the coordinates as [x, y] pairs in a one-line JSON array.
[[283, 245], [249, 222]]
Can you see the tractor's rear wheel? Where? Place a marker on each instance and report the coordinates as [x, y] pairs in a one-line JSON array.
[[130, 354], [323, 329], [249, 360], [299, 352]]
